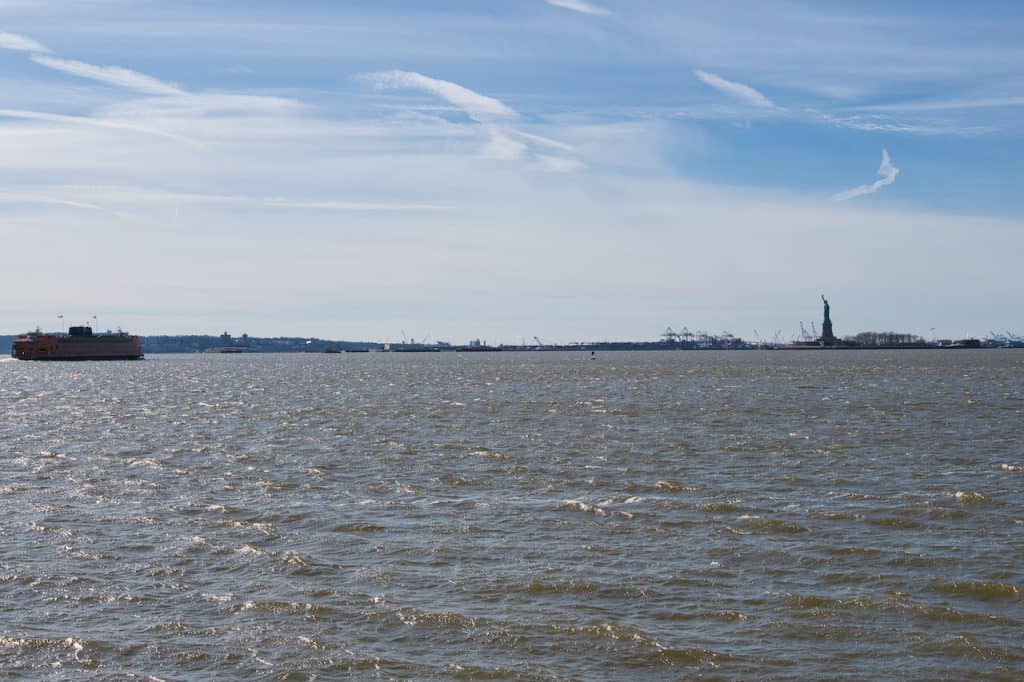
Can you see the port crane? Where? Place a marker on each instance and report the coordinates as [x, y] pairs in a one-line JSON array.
[[411, 341], [1009, 339], [539, 342]]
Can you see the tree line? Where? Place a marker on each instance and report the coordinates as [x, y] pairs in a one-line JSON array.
[[885, 339]]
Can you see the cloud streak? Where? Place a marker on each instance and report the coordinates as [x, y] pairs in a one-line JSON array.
[[480, 108], [545, 141], [111, 75], [13, 41], [878, 124], [888, 173], [97, 197], [53, 201], [93, 122], [279, 202], [503, 147], [504, 142], [948, 105], [580, 6], [739, 91]]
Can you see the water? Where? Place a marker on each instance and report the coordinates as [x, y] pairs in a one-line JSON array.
[[788, 515]]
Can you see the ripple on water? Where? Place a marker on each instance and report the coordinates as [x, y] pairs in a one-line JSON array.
[[650, 516], [979, 589]]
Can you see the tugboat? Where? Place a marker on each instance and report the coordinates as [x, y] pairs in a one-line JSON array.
[[78, 344]]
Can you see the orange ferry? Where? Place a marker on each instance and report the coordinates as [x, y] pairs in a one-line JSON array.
[[78, 344]]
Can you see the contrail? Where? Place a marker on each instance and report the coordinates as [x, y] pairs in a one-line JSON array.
[[886, 170]]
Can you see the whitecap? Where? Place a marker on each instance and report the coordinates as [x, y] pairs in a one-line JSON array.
[[583, 506], [249, 549], [218, 597], [970, 497]]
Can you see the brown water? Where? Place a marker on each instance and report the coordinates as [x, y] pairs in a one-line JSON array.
[[804, 515]]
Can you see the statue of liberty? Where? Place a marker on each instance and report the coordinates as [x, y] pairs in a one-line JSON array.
[[827, 337]]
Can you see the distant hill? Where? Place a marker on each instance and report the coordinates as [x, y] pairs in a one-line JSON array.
[[204, 343], [192, 343]]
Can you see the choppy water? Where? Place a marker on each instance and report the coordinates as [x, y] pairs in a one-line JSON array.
[[514, 516]]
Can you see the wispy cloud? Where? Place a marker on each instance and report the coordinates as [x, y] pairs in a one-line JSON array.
[[97, 197], [580, 6], [13, 41], [201, 104], [882, 124], [95, 122], [15, 198], [479, 107], [278, 202], [494, 116], [949, 104], [167, 100], [111, 75], [545, 141], [558, 164], [888, 173], [742, 92], [501, 146]]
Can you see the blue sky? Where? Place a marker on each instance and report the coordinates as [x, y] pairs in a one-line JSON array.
[[567, 169]]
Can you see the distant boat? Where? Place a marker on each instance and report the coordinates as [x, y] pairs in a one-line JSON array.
[[78, 344], [229, 349]]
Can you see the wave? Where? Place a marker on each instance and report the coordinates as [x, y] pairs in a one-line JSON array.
[[771, 525], [968, 647], [675, 487], [895, 522], [72, 645], [580, 505], [971, 497], [719, 508], [981, 590], [819, 603], [597, 510]]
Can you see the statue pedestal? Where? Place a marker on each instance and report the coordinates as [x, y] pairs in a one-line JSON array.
[[827, 338]]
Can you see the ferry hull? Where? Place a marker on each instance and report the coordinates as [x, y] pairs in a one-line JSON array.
[[53, 347], [91, 358]]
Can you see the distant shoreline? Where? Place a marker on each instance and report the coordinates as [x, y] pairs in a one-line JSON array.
[[190, 344]]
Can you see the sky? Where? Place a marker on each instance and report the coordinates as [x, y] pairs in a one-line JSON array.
[[505, 169]]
